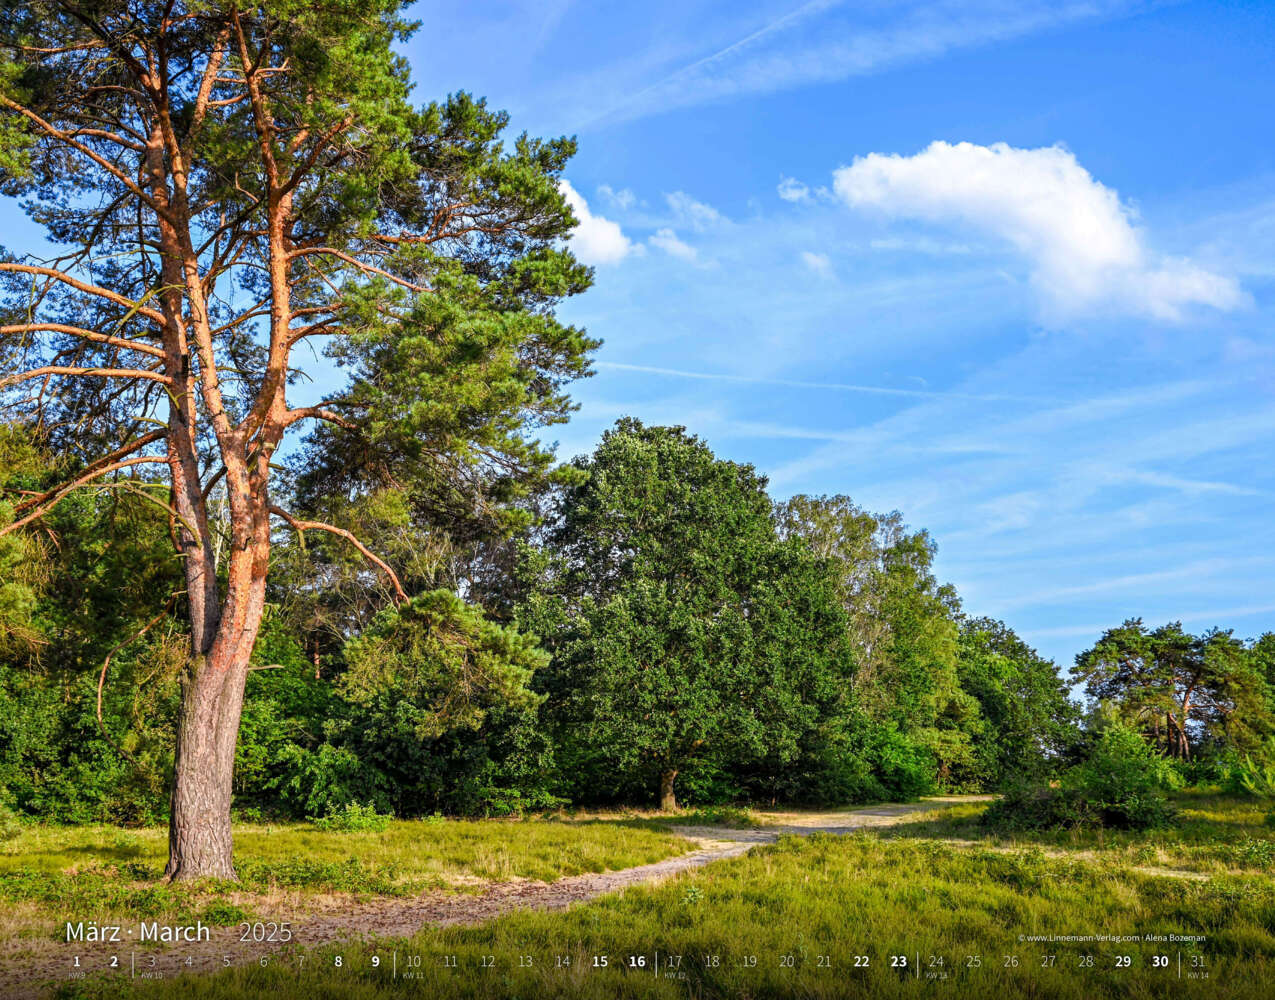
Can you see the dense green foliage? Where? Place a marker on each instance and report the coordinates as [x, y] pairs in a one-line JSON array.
[[665, 617], [1030, 723], [1191, 695], [640, 622], [910, 720], [1168, 708], [229, 189], [686, 637], [436, 245], [1120, 784], [686, 624]]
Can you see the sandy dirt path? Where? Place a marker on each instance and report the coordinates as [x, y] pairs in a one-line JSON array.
[[404, 917]]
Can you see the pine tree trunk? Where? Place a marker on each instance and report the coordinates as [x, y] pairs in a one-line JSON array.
[[199, 837], [1186, 717], [668, 801]]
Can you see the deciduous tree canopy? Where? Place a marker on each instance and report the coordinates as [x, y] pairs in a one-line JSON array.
[[682, 628]]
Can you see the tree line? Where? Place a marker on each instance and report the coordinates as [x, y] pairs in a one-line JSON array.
[[658, 629], [661, 629]]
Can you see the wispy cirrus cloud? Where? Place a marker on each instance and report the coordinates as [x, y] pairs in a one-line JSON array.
[[1135, 582], [799, 384], [823, 41]]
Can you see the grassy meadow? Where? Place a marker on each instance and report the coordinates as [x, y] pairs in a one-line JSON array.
[[112, 875], [933, 906], [790, 919], [407, 856]]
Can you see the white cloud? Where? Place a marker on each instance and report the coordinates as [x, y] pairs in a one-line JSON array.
[[595, 240], [791, 189], [668, 241], [623, 199], [817, 262], [1084, 251], [1143, 477], [695, 214]]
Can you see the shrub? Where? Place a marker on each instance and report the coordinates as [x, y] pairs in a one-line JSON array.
[[1121, 784], [1246, 776], [845, 778], [1258, 779], [904, 768], [1026, 806], [10, 822], [223, 914], [323, 781], [353, 818], [729, 816], [860, 761], [1125, 780], [1206, 769], [1260, 853]]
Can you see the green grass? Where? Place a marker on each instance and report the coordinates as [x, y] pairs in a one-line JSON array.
[[406, 857], [803, 909], [109, 875], [1212, 833]]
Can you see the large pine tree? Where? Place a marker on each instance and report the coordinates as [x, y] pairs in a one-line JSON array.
[[227, 187]]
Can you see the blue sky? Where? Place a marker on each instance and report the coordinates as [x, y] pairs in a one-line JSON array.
[[1008, 267]]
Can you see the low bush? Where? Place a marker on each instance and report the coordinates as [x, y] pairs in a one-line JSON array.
[[1210, 768], [353, 818], [10, 822], [729, 816], [846, 780], [1027, 806], [1125, 779], [351, 875], [1121, 784], [1257, 852], [1248, 776], [903, 767]]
